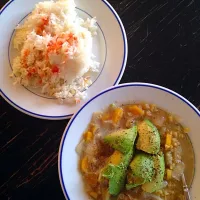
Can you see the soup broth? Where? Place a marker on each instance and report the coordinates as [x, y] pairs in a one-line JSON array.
[[95, 154]]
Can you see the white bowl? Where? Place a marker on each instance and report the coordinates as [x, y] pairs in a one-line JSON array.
[[70, 177]]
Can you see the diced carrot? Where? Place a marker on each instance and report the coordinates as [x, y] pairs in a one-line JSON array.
[[26, 52], [84, 164], [31, 71], [40, 81], [116, 157], [88, 136], [55, 69], [169, 174], [77, 100], [41, 27], [45, 20], [135, 110], [106, 116], [117, 115]]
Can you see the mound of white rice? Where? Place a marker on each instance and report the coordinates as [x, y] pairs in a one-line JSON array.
[[55, 48]]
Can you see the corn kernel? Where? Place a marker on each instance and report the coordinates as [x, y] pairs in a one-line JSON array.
[[168, 141], [170, 117], [169, 174], [88, 136], [186, 130]]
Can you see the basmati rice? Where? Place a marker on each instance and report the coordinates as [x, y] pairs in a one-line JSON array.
[[55, 48]]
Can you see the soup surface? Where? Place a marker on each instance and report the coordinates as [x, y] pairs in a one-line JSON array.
[[135, 152]]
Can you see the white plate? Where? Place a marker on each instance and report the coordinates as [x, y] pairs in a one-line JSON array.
[[110, 47], [70, 178]]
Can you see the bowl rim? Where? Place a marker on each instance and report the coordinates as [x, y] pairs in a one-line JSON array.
[[101, 93], [118, 78]]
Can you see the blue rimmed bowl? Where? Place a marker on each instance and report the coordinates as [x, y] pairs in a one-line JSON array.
[[70, 178]]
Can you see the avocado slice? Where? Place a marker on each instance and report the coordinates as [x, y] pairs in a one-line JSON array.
[[156, 183], [149, 138], [142, 170], [117, 174], [122, 140]]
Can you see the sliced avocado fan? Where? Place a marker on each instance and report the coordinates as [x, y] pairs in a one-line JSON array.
[[117, 174], [122, 140], [149, 138], [142, 170], [157, 181]]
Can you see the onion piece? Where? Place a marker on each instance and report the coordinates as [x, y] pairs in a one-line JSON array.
[[178, 171], [149, 196], [164, 184], [177, 153], [158, 120], [79, 147], [168, 158], [96, 118]]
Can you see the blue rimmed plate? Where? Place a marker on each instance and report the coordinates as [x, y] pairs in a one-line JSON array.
[[110, 48]]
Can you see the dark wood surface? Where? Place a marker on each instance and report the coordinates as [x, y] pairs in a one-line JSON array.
[[164, 48]]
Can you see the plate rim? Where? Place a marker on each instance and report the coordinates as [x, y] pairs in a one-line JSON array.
[[133, 84], [62, 117]]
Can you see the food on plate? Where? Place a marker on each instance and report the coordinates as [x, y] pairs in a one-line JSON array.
[[115, 171], [55, 51], [122, 140], [133, 152], [157, 180], [149, 138], [141, 170]]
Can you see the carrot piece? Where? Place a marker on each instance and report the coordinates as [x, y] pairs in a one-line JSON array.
[[84, 164], [116, 157], [135, 110], [55, 69], [117, 115], [106, 116]]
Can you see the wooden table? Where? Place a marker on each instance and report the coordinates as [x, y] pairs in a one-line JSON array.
[[164, 48]]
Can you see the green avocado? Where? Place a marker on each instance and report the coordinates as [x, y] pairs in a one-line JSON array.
[[117, 174], [157, 181], [142, 170], [149, 138], [122, 140]]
